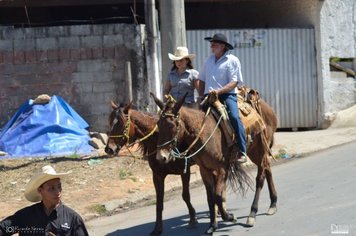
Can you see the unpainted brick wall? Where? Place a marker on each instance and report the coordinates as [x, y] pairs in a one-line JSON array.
[[83, 64]]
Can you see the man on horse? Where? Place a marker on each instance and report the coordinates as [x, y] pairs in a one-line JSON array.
[[220, 75]]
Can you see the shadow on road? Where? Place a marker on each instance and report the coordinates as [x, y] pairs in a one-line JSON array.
[[178, 226]]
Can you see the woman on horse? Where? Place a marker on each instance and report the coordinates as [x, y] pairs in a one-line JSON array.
[[182, 78]]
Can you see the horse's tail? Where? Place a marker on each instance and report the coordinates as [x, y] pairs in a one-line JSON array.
[[239, 180]]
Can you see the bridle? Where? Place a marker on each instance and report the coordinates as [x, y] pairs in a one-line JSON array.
[[126, 132], [173, 149], [174, 141]]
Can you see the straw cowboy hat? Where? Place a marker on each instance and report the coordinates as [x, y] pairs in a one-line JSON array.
[[47, 173], [220, 38], [180, 53]]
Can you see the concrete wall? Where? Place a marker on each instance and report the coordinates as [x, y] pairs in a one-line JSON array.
[[342, 91], [84, 64], [337, 38]]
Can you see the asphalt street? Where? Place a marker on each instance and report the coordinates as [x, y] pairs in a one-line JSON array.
[[316, 196]]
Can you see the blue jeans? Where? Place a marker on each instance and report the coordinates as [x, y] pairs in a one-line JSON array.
[[233, 111]]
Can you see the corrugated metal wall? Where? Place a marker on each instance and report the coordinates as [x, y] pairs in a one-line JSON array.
[[279, 63]]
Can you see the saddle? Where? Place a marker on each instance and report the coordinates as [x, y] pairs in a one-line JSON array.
[[249, 111]]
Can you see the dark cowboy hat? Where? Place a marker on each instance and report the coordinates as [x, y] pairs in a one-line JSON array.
[[220, 38]]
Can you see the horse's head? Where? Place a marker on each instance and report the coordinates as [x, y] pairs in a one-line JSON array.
[[120, 128], [170, 132]]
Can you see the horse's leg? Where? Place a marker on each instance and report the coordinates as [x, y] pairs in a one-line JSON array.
[[217, 212], [158, 181], [208, 180], [272, 191], [186, 197], [260, 178], [220, 189]]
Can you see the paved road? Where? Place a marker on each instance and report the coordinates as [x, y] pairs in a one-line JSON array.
[[316, 196]]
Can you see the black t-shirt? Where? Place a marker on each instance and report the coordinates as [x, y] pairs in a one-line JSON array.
[[33, 220]]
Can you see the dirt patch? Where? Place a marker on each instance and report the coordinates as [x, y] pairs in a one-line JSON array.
[[93, 182]]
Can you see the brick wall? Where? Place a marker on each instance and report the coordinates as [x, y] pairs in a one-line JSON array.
[[83, 64]]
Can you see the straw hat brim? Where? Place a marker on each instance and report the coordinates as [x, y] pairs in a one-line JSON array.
[[31, 192], [177, 58]]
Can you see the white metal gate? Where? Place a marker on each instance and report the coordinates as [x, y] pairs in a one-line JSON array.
[[279, 63]]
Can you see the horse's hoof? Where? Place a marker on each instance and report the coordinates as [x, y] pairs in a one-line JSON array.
[[250, 221], [272, 211], [228, 217], [192, 224], [210, 231]]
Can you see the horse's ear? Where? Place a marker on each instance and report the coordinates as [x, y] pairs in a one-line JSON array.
[[114, 105], [159, 103], [128, 107], [179, 103]]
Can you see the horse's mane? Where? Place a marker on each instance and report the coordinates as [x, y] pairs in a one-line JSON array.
[[143, 119]]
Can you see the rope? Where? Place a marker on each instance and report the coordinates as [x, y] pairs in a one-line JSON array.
[[131, 153], [200, 131], [143, 138], [177, 154]]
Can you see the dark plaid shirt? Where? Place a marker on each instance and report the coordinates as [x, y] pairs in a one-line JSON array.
[[33, 220]]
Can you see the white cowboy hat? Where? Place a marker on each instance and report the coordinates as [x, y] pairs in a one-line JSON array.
[[47, 173], [180, 53]]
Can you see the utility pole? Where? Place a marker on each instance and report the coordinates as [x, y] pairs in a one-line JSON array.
[[172, 26], [151, 46]]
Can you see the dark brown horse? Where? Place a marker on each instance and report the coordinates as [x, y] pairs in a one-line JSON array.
[[180, 125], [135, 126]]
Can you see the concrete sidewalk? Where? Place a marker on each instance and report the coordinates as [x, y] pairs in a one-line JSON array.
[[342, 130], [301, 143]]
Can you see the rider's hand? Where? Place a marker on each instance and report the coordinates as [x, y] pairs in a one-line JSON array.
[[214, 92]]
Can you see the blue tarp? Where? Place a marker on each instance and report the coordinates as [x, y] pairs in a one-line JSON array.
[[52, 129]]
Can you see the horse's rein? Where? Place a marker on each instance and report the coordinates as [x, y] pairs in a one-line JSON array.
[[144, 138], [177, 154], [200, 131], [126, 134]]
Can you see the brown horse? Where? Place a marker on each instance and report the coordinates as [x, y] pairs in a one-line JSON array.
[[135, 126], [180, 125], [259, 151]]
